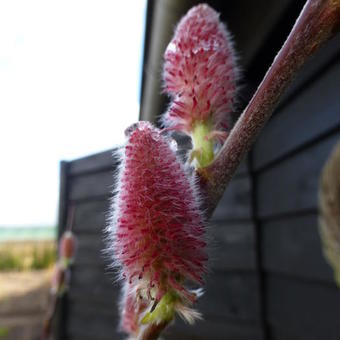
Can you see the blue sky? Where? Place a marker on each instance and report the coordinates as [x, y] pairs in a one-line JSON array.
[[69, 85]]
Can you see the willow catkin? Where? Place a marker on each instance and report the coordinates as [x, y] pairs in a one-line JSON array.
[[200, 71], [157, 231]]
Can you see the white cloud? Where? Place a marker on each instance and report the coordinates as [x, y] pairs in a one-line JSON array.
[[69, 79]]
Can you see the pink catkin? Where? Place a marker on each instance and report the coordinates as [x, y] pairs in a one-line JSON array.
[[58, 278], [158, 232], [200, 71], [129, 318], [67, 246]]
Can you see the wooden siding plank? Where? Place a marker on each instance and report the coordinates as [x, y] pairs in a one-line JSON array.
[[93, 163], [81, 326], [92, 250], [91, 186], [235, 204], [312, 113], [63, 197], [242, 169], [94, 284], [232, 246], [91, 216], [214, 330], [98, 277], [107, 319], [101, 299], [231, 296], [109, 160], [291, 186], [307, 310], [236, 201], [323, 57], [282, 333], [61, 313], [86, 309], [83, 335], [93, 322], [292, 246]]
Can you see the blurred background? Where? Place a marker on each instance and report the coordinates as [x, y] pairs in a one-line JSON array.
[[70, 79], [73, 76]]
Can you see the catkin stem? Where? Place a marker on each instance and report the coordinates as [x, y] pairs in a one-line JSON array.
[[203, 147]]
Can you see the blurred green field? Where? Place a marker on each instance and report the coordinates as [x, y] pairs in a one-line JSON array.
[[23, 233], [27, 255]]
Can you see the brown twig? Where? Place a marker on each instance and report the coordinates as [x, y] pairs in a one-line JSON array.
[[318, 22], [46, 331], [55, 296]]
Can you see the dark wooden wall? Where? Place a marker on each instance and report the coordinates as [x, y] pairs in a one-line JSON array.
[[268, 277], [301, 300], [90, 307], [231, 304]]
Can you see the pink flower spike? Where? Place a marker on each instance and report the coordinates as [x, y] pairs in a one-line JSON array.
[[67, 247], [157, 227], [130, 307], [60, 280], [200, 71]]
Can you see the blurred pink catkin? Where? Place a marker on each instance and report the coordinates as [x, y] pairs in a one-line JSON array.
[[67, 247]]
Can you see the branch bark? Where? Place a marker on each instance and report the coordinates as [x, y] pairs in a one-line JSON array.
[[318, 22]]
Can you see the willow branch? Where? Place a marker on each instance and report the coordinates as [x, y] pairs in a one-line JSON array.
[[318, 22]]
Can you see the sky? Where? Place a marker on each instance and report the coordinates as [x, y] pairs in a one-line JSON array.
[[69, 85]]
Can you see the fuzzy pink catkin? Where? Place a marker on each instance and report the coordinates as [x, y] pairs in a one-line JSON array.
[[129, 318], [158, 228], [200, 71], [67, 246]]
